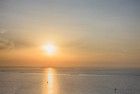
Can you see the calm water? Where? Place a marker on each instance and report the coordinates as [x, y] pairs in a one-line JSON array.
[[68, 81]]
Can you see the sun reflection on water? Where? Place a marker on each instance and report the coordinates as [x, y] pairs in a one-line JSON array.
[[51, 85]]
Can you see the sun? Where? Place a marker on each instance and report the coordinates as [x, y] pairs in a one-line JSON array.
[[50, 49]]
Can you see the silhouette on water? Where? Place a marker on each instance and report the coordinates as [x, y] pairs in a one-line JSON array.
[[115, 90]]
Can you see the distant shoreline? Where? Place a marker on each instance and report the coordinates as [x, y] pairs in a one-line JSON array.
[[89, 68], [81, 71]]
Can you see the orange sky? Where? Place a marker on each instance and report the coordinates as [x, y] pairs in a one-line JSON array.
[[87, 33]]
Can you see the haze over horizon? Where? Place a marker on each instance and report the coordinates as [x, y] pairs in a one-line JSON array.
[[86, 33]]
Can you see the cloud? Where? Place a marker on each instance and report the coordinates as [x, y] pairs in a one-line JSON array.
[[6, 44], [9, 40], [23, 44], [3, 30]]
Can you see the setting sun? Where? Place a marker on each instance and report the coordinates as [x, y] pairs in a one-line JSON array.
[[50, 49]]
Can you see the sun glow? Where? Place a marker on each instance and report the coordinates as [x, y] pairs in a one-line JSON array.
[[50, 49]]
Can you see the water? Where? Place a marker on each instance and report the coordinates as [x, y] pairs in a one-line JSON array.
[[68, 81]]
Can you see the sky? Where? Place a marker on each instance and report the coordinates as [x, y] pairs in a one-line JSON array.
[[87, 33]]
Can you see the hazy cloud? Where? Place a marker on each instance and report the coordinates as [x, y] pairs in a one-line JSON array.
[[14, 44], [6, 44]]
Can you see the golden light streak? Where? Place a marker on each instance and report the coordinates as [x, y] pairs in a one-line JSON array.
[[52, 83]]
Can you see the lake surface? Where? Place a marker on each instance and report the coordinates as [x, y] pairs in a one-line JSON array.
[[68, 81]]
